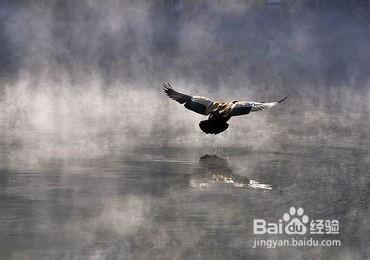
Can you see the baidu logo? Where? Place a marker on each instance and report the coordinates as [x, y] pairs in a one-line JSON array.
[[296, 223], [293, 223]]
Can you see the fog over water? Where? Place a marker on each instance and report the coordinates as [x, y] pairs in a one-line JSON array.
[[97, 162]]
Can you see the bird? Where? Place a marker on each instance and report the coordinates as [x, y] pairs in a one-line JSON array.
[[218, 112]]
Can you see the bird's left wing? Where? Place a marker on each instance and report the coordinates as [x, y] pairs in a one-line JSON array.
[[197, 104], [244, 107]]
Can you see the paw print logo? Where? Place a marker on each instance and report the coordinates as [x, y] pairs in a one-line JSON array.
[[296, 221]]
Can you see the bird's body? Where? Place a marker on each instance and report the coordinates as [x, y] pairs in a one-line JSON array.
[[218, 112]]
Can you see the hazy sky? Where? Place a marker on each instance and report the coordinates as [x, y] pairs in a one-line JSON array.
[[89, 73], [212, 44]]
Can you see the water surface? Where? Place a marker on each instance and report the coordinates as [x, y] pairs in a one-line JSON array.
[[181, 203]]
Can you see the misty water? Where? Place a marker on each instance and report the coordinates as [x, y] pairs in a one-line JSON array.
[[188, 203]]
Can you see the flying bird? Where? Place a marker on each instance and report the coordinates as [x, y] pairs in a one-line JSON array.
[[218, 112]]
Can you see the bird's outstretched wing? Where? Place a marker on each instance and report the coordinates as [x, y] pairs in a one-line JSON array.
[[179, 97], [244, 107], [197, 104]]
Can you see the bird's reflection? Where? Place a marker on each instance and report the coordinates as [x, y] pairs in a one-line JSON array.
[[215, 169]]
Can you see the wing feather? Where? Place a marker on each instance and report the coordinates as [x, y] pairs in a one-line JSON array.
[[244, 107], [197, 104], [179, 97]]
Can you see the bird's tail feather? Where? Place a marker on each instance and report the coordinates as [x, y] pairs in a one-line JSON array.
[[213, 126]]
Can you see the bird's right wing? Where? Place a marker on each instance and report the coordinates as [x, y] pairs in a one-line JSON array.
[[244, 107], [257, 106], [197, 104]]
